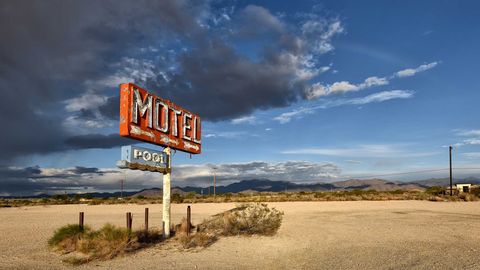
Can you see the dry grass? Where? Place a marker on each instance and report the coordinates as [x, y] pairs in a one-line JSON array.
[[431, 194], [198, 239], [246, 219], [109, 241], [105, 243]]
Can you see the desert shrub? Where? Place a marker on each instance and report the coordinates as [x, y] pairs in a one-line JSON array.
[[44, 200], [148, 237], [248, 219], [435, 190], [397, 191], [199, 239], [105, 243], [177, 198], [475, 191], [95, 201], [141, 197], [191, 195], [67, 237], [468, 197], [60, 197]]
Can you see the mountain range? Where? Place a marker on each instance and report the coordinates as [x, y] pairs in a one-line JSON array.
[[266, 185]]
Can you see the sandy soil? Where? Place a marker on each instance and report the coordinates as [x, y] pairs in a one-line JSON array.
[[314, 235]]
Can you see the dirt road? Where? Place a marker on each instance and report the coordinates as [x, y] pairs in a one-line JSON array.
[[314, 235]]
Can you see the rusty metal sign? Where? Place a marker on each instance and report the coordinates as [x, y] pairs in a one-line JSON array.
[[152, 119]]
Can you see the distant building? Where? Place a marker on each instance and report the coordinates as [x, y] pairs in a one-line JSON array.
[[464, 188]]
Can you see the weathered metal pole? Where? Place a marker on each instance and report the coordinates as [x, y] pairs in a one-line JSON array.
[[166, 194], [146, 219], [189, 219], [451, 177]]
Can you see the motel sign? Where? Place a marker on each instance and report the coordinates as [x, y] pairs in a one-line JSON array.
[[152, 119]]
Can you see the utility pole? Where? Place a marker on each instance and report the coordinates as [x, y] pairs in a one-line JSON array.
[[121, 188], [451, 178], [214, 183]]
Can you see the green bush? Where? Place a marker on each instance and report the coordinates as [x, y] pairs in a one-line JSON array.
[[435, 190], [67, 237], [191, 195], [177, 198]]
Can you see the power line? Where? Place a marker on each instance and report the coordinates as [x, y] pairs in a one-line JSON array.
[[411, 172]]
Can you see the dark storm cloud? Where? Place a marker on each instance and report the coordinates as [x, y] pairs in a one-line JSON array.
[[219, 84], [54, 52], [96, 141], [18, 181], [50, 48], [80, 170]]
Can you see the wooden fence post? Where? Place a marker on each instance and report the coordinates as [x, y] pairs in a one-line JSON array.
[[129, 221], [189, 217], [146, 219], [80, 220]]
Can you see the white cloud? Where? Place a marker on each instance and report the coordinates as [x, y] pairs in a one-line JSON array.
[[412, 71], [295, 114], [77, 124], [473, 132], [227, 134], [362, 151], [472, 141], [112, 81], [295, 171], [472, 155], [352, 161], [379, 97], [474, 135], [320, 32], [89, 100], [373, 98], [244, 120], [318, 89]]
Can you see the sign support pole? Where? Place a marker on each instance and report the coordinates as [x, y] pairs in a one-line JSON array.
[[166, 194]]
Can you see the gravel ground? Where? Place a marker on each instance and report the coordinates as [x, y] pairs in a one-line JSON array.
[[314, 235]]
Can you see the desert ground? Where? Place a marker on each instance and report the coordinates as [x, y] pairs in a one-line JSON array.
[[313, 235]]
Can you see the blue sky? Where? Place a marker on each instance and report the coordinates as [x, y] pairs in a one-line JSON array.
[[371, 88]]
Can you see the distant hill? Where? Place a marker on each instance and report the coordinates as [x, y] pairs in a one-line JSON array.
[[446, 181], [157, 192], [266, 185], [376, 184]]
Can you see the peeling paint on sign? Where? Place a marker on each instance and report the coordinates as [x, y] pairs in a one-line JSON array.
[[149, 118]]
